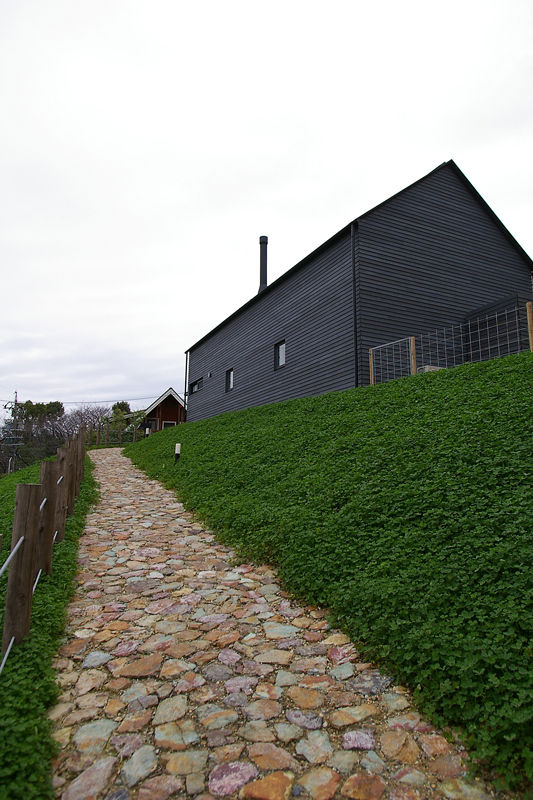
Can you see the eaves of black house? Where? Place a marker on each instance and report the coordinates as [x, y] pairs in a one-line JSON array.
[[426, 258]]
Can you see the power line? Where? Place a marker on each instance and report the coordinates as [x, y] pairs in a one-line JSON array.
[[93, 402]]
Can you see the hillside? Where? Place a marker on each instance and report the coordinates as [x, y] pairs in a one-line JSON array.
[[406, 509]]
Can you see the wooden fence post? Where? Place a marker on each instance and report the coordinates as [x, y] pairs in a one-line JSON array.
[[78, 444], [62, 494], [371, 362], [412, 354], [90, 436], [70, 477], [98, 434], [49, 474], [529, 311], [83, 450], [19, 593]]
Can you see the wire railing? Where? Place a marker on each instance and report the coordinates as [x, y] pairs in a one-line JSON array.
[[491, 336]]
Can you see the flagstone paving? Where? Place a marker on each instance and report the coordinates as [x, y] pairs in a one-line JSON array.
[[188, 675]]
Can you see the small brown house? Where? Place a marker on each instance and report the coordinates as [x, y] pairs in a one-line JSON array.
[[164, 412]]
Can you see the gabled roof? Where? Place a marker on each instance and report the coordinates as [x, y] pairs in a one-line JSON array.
[[169, 393], [449, 164]]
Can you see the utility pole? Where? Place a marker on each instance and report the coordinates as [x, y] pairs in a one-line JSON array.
[[12, 434]]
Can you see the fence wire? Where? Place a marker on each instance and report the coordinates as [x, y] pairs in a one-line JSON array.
[[493, 336]]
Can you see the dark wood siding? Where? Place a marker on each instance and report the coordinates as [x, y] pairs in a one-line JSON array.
[[312, 310], [427, 258]]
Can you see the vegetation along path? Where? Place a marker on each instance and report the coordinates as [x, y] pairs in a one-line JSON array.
[[187, 675]]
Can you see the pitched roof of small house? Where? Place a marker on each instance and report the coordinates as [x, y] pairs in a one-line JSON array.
[[169, 393], [446, 164]]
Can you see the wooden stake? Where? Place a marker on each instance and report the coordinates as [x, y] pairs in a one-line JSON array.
[[529, 310], [371, 362], [49, 474], [412, 351], [78, 445], [62, 494], [17, 614], [70, 477], [83, 450]]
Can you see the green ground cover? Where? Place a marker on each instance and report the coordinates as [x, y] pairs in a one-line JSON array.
[[406, 509], [27, 684]]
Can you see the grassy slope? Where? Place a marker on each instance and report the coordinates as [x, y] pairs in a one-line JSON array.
[[405, 508], [27, 684]]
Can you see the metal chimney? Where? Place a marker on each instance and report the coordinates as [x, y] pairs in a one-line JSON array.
[[263, 242]]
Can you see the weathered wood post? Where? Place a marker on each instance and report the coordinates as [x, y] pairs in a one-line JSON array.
[[371, 363], [98, 434], [17, 614], [83, 450], [62, 494], [78, 460], [70, 468], [90, 436], [529, 312], [49, 475], [412, 354]]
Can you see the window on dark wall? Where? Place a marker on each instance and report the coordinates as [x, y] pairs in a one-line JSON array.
[[279, 354], [229, 380], [195, 386]]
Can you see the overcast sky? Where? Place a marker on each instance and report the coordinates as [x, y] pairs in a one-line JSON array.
[[146, 145]]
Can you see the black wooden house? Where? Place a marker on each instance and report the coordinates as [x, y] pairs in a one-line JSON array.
[[428, 257]]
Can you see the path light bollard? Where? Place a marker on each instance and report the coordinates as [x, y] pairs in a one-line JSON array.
[[177, 452], [19, 593]]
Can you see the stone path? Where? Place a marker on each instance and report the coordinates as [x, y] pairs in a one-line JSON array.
[[186, 675]]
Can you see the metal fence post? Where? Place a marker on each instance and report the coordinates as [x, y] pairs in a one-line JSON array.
[[17, 614]]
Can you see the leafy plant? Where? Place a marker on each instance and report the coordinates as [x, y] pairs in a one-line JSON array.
[[406, 509]]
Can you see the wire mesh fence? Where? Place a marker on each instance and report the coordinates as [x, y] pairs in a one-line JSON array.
[[491, 336]]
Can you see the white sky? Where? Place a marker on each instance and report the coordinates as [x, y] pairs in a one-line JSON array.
[[145, 145]]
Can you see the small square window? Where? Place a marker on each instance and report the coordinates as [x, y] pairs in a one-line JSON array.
[[196, 386], [229, 380], [279, 354]]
